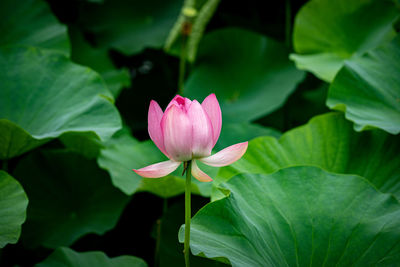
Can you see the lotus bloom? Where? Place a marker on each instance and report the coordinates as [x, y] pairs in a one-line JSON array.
[[188, 131]]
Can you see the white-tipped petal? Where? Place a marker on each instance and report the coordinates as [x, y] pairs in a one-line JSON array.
[[159, 169], [226, 156], [199, 174]]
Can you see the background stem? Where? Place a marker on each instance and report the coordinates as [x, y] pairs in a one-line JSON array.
[[182, 65], [187, 212]]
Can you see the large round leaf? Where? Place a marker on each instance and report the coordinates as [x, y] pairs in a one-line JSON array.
[[250, 73], [30, 22], [13, 203], [367, 89], [123, 153], [300, 216], [327, 141], [69, 197], [131, 25], [66, 257], [326, 32], [43, 95]]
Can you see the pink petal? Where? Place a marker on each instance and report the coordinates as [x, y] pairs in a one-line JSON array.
[[158, 170], [181, 102], [177, 132], [226, 156], [202, 142], [211, 106], [199, 174], [154, 125]]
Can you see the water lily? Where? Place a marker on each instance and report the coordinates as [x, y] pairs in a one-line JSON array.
[[187, 132]]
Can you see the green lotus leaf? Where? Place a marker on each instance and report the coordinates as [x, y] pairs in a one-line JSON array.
[[327, 141], [43, 95], [66, 257], [69, 197], [130, 26], [250, 73], [367, 89], [31, 22], [13, 203], [326, 33], [299, 216]]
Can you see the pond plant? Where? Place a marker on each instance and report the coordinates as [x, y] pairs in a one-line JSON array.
[[286, 114]]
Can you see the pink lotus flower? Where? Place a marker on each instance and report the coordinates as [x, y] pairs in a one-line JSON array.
[[188, 131]]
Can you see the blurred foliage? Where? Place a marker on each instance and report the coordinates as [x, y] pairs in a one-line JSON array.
[[204, 12], [327, 33], [99, 60], [67, 257], [76, 79], [373, 81], [80, 200], [41, 98], [243, 69], [32, 24], [13, 203], [130, 26]]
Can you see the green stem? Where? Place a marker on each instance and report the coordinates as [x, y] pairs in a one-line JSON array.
[[182, 64], [187, 212], [288, 24]]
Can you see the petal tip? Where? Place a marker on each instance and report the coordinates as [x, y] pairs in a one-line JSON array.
[[153, 104], [158, 170], [212, 95], [199, 174], [211, 106], [226, 156]]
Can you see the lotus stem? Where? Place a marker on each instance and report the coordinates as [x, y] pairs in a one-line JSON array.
[[187, 213], [186, 30], [182, 65]]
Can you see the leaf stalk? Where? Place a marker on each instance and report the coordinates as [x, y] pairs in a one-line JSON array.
[[188, 215]]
